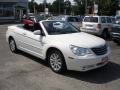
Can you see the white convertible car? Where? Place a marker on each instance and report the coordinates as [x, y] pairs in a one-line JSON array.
[[59, 43]]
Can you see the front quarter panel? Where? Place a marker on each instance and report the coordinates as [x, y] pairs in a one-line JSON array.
[[10, 32], [62, 46]]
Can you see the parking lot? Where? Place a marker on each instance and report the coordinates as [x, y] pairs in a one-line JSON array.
[[22, 71]]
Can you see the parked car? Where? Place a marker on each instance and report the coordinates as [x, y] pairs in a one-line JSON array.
[[115, 33], [71, 19], [62, 45], [34, 18], [97, 25], [117, 18], [52, 18]]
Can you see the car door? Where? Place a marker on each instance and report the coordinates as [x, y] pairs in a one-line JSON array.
[[30, 42]]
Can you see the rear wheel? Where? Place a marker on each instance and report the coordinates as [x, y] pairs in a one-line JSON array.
[[56, 61], [12, 45]]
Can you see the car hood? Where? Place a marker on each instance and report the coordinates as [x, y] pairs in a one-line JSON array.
[[78, 39]]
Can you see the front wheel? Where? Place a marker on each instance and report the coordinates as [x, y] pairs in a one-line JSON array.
[[57, 61], [12, 45]]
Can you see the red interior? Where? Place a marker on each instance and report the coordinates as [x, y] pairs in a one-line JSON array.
[[27, 22]]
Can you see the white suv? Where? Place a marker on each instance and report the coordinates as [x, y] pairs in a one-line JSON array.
[[98, 25]]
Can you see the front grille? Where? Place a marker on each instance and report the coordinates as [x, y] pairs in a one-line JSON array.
[[100, 50]]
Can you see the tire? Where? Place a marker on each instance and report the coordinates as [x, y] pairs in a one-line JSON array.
[[12, 45], [115, 41], [57, 62], [105, 34]]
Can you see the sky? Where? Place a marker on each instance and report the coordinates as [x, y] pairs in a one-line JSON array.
[[49, 1]]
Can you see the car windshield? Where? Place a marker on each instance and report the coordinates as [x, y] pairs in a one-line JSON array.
[[73, 19], [59, 27]]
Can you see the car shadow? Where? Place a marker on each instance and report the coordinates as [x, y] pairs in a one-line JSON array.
[[31, 57], [102, 75], [118, 44]]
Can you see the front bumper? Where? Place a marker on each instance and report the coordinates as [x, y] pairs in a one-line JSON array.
[[87, 63], [115, 36]]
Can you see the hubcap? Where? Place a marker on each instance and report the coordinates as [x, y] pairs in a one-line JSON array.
[[12, 45], [55, 61]]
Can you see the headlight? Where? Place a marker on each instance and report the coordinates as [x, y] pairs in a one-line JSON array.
[[80, 51]]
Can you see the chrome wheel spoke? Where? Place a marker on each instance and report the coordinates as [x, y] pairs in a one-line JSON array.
[[12, 45], [55, 61]]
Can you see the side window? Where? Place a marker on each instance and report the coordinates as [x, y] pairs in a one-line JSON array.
[[103, 20], [37, 26], [109, 20]]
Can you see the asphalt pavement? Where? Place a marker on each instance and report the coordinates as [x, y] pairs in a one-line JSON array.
[[22, 71]]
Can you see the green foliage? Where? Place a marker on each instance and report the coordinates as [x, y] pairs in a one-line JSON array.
[[54, 7], [79, 7], [68, 7], [106, 7]]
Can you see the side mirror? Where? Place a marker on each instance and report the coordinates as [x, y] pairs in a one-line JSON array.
[[37, 32]]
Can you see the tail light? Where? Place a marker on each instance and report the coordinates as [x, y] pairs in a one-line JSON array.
[[99, 26]]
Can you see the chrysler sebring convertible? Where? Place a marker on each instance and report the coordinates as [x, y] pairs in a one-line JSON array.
[[62, 45]]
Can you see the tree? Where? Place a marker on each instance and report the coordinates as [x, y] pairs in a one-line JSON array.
[[31, 6], [67, 5], [106, 7], [79, 7], [58, 5]]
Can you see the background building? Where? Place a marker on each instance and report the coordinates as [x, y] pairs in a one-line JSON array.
[[12, 10]]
